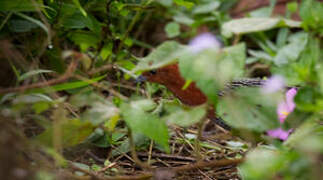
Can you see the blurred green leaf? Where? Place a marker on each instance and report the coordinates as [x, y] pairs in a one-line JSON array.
[[311, 12], [74, 132], [250, 25], [184, 3], [172, 29], [206, 8], [183, 116], [166, 53], [32, 73], [249, 108], [19, 5], [84, 39], [212, 69], [263, 163], [140, 121], [98, 109], [17, 25], [66, 86], [292, 50], [77, 3], [309, 99]]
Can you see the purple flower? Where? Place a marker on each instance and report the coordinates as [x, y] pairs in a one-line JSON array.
[[287, 106], [273, 84], [284, 108], [204, 41], [279, 133]]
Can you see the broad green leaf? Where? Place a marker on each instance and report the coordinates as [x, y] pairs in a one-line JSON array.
[[292, 50], [99, 109], [79, 21], [248, 108], [212, 69], [260, 55], [184, 116], [73, 131], [183, 19], [306, 130], [184, 3], [84, 39], [309, 99], [140, 121], [100, 112], [206, 8], [172, 29], [166, 53], [311, 12], [250, 25], [263, 163]]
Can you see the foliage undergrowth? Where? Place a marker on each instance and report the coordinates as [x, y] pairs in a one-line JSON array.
[[69, 70]]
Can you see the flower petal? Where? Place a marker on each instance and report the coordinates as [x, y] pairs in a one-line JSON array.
[[204, 41], [290, 94], [279, 133], [282, 111], [273, 84]]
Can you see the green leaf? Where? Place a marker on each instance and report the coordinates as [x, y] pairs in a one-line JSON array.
[[74, 132], [79, 21], [184, 3], [311, 13], [206, 8], [65, 86], [21, 25], [250, 25], [292, 50], [32, 73], [140, 121], [263, 163], [18, 5], [172, 29], [212, 69], [184, 116], [98, 108], [183, 19], [84, 39], [77, 3], [248, 108], [166, 53], [309, 99]]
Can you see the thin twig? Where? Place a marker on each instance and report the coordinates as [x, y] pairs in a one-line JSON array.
[[101, 86], [214, 163], [168, 156], [134, 153], [69, 72], [100, 69]]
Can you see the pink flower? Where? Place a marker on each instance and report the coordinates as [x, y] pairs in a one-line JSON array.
[[204, 41], [287, 106], [279, 133], [284, 108]]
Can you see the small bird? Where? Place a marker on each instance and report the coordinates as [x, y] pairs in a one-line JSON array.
[[170, 77]]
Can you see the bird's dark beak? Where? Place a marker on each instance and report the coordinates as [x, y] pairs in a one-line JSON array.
[[141, 79]]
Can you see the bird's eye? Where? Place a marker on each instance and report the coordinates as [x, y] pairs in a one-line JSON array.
[[153, 72]]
